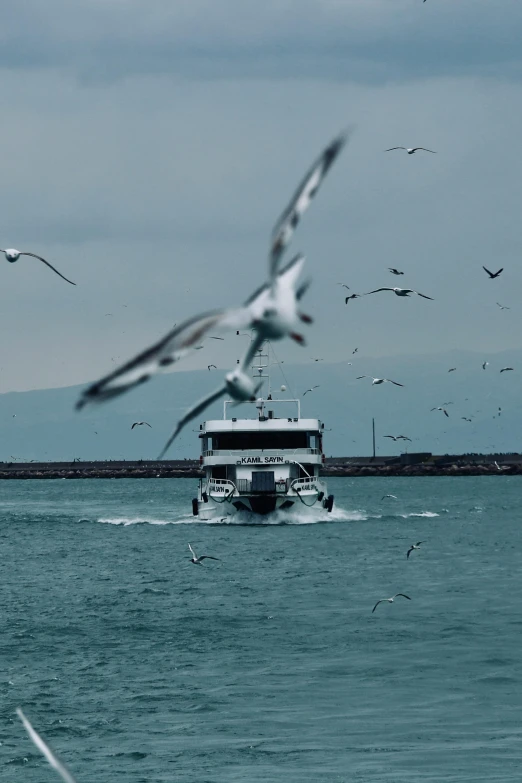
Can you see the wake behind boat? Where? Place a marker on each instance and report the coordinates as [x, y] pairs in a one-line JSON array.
[[261, 464]]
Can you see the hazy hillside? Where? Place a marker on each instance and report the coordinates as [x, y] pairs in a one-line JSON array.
[[42, 424]]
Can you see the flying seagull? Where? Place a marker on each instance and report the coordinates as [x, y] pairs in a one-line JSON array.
[[492, 275], [309, 390], [393, 437], [410, 150], [389, 496], [445, 412], [344, 285], [452, 369], [394, 271], [412, 547], [399, 292], [353, 296], [272, 311], [390, 600], [484, 365], [403, 437], [45, 750], [209, 366], [140, 423], [503, 307], [354, 351], [505, 369], [316, 360], [465, 419], [13, 255], [377, 381], [197, 560]]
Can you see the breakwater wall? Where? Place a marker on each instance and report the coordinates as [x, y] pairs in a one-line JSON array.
[[351, 467]]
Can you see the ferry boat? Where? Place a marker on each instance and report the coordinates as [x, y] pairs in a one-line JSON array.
[[265, 463]]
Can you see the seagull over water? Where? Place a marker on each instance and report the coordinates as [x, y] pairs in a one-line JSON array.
[[390, 600], [411, 150], [377, 381], [13, 255], [45, 750], [412, 547], [197, 560], [389, 496], [272, 312], [140, 424], [399, 292]]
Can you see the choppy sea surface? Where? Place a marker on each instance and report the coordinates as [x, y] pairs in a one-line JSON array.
[[267, 665]]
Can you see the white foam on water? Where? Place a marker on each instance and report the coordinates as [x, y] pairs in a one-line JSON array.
[[421, 514]]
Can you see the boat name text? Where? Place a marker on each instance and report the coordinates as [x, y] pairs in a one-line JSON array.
[[259, 461]]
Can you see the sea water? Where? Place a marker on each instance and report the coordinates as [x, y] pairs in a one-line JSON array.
[[267, 664]]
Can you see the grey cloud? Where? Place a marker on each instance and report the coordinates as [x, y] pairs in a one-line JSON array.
[[363, 40]]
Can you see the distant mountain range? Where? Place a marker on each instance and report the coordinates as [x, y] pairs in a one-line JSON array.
[[43, 424]]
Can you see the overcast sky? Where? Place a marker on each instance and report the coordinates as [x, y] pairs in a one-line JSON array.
[[148, 148]]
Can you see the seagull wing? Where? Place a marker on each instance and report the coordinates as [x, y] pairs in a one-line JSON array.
[[134, 425], [395, 148], [496, 273], [445, 412], [33, 255], [306, 392], [424, 296], [196, 409], [194, 555], [394, 382], [377, 290], [45, 749], [362, 376], [377, 604], [423, 148], [487, 270], [408, 552], [174, 346], [147, 423], [403, 595], [419, 543], [208, 557], [389, 436], [300, 201]]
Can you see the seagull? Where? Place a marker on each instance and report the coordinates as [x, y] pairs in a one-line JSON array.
[[465, 419], [272, 311], [492, 275], [209, 366], [45, 750], [309, 390], [412, 547], [503, 307], [505, 369], [197, 560], [353, 296], [394, 271], [13, 255], [354, 351], [400, 292], [140, 423], [211, 337], [452, 369], [390, 600], [316, 360], [344, 285], [393, 437], [411, 150], [403, 437], [377, 381], [445, 412], [389, 496], [484, 365]]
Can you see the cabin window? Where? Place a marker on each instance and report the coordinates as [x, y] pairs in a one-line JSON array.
[[308, 471], [233, 441], [219, 471]]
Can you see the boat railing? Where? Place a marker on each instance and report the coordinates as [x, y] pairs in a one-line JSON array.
[[304, 483], [245, 485], [258, 452]]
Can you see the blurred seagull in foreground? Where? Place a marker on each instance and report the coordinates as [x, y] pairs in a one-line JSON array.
[[390, 600], [140, 424], [272, 311], [411, 150], [197, 560], [45, 750], [400, 292], [377, 381], [13, 255], [412, 547]]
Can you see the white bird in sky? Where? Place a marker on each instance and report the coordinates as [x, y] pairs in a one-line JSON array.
[[390, 600], [377, 381], [197, 560], [503, 307], [412, 547], [45, 750], [13, 255], [411, 150], [440, 408], [399, 292], [272, 311], [140, 424], [309, 390]]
